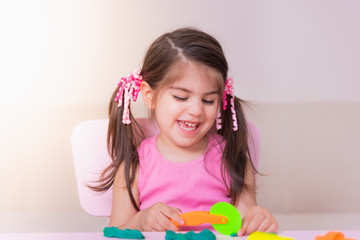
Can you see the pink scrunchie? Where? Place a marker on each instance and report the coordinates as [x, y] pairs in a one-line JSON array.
[[229, 90], [129, 86]]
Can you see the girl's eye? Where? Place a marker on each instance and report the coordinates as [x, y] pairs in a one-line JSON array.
[[208, 101], [180, 98]]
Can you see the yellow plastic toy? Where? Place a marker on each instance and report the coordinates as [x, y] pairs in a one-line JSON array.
[[266, 236]]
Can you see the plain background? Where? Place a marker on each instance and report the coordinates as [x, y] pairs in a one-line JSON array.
[[297, 62]]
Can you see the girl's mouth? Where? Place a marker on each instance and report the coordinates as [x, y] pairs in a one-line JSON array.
[[188, 126]]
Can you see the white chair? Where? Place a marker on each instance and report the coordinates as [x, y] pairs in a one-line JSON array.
[[91, 156]]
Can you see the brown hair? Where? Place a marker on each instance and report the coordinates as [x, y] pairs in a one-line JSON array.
[[185, 44]]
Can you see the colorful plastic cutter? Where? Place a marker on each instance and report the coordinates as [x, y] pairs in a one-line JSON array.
[[223, 216]]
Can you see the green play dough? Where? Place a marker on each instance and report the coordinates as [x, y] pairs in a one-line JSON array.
[[205, 234], [234, 219], [118, 233]]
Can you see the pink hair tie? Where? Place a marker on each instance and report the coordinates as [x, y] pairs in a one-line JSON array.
[[229, 90], [129, 86]]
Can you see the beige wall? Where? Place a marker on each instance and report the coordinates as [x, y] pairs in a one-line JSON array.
[[297, 60], [310, 156]]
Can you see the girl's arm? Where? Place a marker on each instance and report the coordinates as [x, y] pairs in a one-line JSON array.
[[255, 218], [124, 215], [247, 198], [123, 212]]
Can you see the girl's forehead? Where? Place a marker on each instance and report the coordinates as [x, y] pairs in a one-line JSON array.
[[190, 72]]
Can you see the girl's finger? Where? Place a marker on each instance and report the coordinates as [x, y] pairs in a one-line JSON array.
[[265, 224], [166, 223], [171, 226], [158, 225], [273, 228], [178, 210], [173, 214], [254, 224], [241, 232], [244, 227]]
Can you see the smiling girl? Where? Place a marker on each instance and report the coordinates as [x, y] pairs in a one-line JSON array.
[[201, 155]]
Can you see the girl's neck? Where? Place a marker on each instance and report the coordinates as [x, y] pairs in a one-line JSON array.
[[175, 153]]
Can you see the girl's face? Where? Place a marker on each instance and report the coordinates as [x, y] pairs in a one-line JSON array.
[[187, 110]]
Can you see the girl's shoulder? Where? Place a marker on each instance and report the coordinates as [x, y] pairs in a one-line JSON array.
[[147, 144], [216, 139], [216, 143]]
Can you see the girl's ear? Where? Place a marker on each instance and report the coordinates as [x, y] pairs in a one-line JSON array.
[[147, 94]]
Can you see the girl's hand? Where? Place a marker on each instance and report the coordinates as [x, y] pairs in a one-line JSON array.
[[258, 219], [158, 218]]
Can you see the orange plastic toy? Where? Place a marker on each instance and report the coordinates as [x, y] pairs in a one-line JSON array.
[[199, 217], [333, 236]]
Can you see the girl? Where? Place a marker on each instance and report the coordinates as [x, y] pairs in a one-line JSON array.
[[190, 164]]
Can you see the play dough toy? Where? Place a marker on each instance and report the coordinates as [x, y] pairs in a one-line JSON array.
[[266, 236], [333, 236], [118, 233], [205, 234], [223, 216]]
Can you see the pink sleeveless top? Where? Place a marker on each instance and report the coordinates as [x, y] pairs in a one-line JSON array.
[[190, 186]]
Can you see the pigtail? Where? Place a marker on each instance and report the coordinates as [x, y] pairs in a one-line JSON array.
[[236, 153], [122, 141]]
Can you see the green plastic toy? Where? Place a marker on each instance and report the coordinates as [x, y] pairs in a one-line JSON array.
[[234, 222], [114, 232], [205, 234]]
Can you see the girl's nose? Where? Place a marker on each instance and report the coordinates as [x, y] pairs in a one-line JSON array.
[[195, 108]]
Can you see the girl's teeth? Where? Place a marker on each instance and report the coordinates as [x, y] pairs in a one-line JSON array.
[[189, 126]]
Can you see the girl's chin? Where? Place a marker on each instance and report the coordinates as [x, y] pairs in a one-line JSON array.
[[191, 141]]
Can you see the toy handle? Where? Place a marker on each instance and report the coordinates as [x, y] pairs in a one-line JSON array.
[[195, 218]]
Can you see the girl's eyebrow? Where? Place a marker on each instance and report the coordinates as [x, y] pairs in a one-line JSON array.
[[188, 91]]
